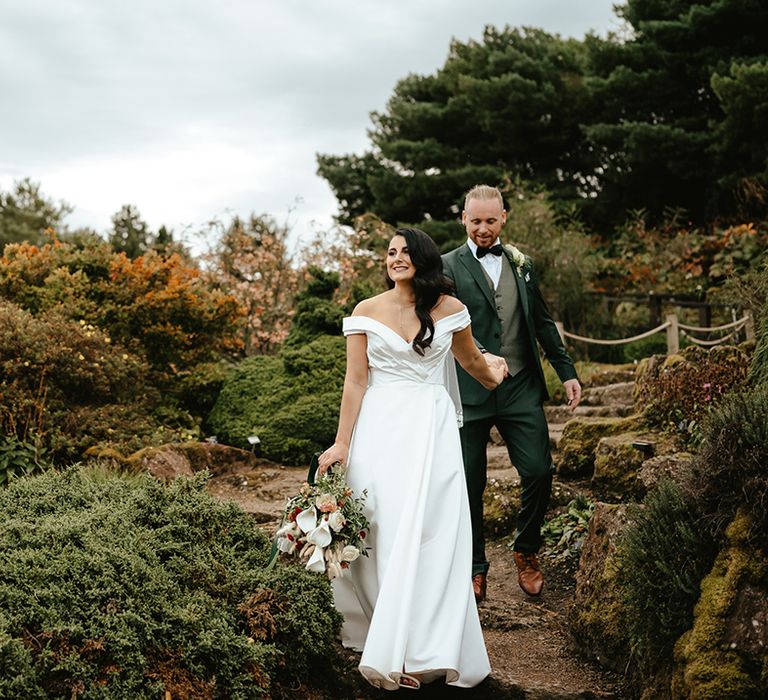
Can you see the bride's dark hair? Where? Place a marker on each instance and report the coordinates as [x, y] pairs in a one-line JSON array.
[[428, 283]]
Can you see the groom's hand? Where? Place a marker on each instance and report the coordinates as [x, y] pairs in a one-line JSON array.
[[572, 392], [496, 362]]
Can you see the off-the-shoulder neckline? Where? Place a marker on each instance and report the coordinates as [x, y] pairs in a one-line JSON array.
[[394, 332]]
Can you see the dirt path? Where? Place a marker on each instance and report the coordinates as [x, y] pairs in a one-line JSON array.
[[532, 654]]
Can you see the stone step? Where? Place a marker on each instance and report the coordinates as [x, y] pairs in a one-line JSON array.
[[609, 395], [562, 414]]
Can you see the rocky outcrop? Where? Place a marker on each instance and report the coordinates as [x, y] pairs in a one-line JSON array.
[[672, 466], [725, 654], [580, 439], [619, 460], [186, 458], [595, 618]]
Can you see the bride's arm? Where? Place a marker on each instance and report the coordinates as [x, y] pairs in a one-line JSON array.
[[475, 362], [355, 384]]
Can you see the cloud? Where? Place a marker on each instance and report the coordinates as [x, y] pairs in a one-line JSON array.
[[188, 108]]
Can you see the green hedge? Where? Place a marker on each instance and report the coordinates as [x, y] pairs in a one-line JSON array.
[[291, 402], [125, 588]]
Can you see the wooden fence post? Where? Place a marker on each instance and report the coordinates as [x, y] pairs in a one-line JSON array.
[[749, 326], [673, 335], [654, 306]]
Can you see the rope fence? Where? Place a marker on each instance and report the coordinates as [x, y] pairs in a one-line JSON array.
[[674, 329]]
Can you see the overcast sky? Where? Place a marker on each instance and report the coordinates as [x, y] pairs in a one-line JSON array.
[[195, 109]]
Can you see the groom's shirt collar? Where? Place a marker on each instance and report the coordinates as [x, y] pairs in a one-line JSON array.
[[491, 263]]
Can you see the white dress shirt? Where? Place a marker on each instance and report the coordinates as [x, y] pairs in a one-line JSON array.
[[491, 263]]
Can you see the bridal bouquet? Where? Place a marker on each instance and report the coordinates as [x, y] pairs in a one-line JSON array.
[[324, 525]]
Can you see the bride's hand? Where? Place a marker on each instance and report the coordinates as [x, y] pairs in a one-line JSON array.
[[335, 453], [497, 365]]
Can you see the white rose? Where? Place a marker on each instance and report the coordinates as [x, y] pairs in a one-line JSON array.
[[350, 553], [337, 521]]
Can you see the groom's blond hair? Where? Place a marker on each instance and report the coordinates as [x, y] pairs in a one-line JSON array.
[[484, 192]]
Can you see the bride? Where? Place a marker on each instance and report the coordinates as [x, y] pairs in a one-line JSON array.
[[409, 606]]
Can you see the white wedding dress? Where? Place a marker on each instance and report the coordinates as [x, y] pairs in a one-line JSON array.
[[409, 605]]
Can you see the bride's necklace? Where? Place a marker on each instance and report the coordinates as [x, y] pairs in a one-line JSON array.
[[403, 331]]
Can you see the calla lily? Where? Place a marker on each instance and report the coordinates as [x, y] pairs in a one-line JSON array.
[[307, 519], [286, 545], [321, 535], [289, 529], [316, 562]]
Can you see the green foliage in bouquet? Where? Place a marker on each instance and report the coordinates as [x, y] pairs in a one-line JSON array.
[[123, 587], [291, 402], [662, 556]]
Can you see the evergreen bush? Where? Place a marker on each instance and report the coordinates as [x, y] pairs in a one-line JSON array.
[[290, 402], [125, 588], [662, 556], [731, 468]]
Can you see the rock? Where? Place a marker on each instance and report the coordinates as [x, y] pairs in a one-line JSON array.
[[596, 617], [186, 458], [613, 374], [671, 466], [725, 654], [618, 463], [579, 440], [501, 504], [610, 395]]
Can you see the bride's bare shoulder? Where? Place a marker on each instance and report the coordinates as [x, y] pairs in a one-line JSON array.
[[369, 306], [447, 306]]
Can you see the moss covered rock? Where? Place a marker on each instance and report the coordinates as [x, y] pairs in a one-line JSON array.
[[596, 618], [618, 463], [725, 654], [580, 438], [501, 504]]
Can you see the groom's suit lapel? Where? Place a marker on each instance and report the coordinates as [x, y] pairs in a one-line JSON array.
[[522, 289], [472, 266]]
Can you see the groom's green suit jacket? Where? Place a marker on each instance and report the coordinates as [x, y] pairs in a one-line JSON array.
[[473, 291]]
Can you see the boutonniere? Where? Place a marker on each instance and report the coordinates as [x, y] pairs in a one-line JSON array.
[[518, 257]]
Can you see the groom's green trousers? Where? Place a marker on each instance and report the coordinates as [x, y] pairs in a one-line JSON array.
[[515, 408]]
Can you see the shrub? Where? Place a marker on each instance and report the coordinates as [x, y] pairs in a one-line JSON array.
[[730, 469], [159, 307], [65, 385], [291, 402], [680, 390], [116, 588], [18, 458], [758, 372], [662, 557]]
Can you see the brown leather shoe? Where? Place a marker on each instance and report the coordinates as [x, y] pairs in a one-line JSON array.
[[528, 575], [478, 586]]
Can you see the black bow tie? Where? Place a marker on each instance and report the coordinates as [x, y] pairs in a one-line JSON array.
[[493, 250]]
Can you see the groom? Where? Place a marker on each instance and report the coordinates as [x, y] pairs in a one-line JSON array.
[[498, 285]]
